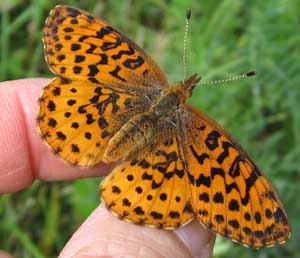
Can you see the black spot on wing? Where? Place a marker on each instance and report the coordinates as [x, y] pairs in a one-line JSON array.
[[133, 64], [250, 181], [225, 153], [200, 158], [156, 215], [51, 106], [79, 58], [116, 190], [75, 148], [146, 176], [123, 52], [174, 214], [104, 31], [204, 197], [115, 73], [163, 196], [126, 202], [218, 197], [234, 205], [188, 208], [235, 169], [212, 139], [52, 122], [75, 47], [257, 217], [72, 12], [219, 218], [61, 136], [93, 70], [139, 211], [56, 91], [111, 45], [68, 29]]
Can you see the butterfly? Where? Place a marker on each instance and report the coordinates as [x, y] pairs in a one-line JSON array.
[[111, 102]]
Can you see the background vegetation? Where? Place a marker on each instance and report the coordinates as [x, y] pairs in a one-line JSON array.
[[226, 38]]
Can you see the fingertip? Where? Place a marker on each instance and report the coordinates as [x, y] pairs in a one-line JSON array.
[[4, 255], [24, 156], [104, 235], [15, 158]]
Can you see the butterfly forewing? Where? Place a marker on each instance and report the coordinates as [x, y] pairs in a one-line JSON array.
[[77, 119], [105, 78], [83, 47]]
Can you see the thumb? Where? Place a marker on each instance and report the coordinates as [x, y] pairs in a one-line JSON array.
[[104, 235]]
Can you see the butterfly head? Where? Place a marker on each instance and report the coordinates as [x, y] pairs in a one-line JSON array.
[[186, 87]]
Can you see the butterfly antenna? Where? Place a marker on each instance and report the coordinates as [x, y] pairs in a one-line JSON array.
[[187, 22], [234, 78]]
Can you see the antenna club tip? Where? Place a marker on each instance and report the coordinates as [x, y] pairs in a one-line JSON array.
[[188, 14], [251, 73]]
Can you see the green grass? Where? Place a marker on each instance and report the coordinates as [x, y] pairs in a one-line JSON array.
[[226, 38]]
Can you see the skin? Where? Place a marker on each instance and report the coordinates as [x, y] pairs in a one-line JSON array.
[[25, 158]]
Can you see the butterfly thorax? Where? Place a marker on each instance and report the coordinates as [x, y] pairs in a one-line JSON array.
[[176, 95], [169, 101], [141, 130]]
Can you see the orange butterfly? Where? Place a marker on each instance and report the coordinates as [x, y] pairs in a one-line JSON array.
[[111, 102]]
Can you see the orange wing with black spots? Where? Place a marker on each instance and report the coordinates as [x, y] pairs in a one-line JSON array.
[[105, 79], [152, 189], [82, 47], [78, 119], [230, 194], [197, 170]]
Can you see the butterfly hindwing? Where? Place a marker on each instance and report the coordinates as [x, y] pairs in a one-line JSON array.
[[230, 194], [152, 189]]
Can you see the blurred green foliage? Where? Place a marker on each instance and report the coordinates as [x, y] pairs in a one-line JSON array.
[[226, 38]]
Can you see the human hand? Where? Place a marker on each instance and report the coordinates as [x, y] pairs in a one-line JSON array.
[[25, 158]]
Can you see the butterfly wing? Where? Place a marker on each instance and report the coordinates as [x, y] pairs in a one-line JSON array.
[[82, 47], [153, 188], [104, 78], [197, 170], [230, 194], [78, 119]]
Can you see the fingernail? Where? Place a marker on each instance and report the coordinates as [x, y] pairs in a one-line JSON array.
[[197, 239]]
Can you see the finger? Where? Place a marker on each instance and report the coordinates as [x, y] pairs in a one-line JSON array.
[[104, 235], [23, 155], [4, 255], [199, 240]]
